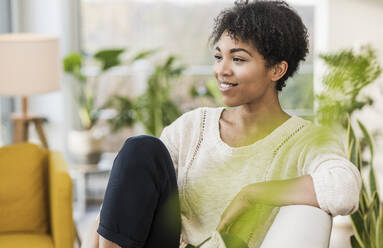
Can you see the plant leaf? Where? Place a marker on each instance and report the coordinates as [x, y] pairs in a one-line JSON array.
[[372, 180], [358, 225], [109, 57], [368, 137], [379, 233], [144, 54], [354, 242]]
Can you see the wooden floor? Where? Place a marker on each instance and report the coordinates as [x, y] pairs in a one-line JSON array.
[[340, 234]]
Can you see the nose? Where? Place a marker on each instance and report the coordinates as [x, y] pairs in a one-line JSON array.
[[223, 68]]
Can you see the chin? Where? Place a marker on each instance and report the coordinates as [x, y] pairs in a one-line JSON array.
[[231, 103]]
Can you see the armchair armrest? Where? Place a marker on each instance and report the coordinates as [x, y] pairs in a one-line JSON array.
[[60, 194], [299, 226]]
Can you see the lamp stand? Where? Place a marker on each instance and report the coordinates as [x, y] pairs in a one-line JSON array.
[[21, 125]]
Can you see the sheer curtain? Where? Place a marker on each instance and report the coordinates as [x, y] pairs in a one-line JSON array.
[[7, 105]]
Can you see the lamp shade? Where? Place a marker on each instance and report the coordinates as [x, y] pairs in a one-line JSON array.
[[29, 64]]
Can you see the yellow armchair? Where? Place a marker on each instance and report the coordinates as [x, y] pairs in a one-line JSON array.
[[35, 198]]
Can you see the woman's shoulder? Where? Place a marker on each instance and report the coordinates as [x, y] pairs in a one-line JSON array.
[[321, 138], [186, 129]]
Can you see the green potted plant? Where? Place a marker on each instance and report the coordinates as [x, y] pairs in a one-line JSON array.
[[125, 112], [85, 91], [155, 108], [348, 73], [85, 143]]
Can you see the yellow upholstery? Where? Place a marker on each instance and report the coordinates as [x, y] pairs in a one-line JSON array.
[[23, 195], [23, 240], [35, 198]]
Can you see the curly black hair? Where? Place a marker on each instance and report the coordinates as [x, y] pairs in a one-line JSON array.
[[272, 27]]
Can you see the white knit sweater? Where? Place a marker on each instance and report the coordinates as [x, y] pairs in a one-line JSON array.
[[210, 173]]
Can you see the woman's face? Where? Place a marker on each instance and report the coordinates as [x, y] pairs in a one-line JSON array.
[[240, 72]]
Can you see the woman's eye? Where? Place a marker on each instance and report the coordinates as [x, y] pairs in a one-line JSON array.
[[217, 57], [238, 60]]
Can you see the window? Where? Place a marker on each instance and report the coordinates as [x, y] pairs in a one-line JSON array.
[[182, 28]]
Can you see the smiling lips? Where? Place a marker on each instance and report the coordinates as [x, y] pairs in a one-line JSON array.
[[224, 86]]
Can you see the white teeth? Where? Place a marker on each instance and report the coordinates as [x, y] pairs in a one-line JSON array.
[[225, 85]]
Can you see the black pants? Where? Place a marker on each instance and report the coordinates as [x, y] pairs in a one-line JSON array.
[[141, 205]]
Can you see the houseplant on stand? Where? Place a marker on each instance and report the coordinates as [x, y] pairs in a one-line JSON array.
[[155, 108], [85, 143]]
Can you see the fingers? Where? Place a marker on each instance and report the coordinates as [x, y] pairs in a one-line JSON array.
[[236, 207], [221, 227], [231, 213]]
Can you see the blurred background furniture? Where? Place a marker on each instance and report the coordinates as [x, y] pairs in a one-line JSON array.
[[29, 65], [299, 226], [89, 181], [35, 198]]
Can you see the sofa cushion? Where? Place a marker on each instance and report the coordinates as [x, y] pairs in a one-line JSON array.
[[23, 189], [24, 240]]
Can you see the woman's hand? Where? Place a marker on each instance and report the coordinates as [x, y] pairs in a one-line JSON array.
[[240, 204], [294, 191]]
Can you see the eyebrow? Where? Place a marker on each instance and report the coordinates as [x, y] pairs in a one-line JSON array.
[[234, 50]]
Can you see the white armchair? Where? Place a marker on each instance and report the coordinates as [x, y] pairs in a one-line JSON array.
[[299, 226]]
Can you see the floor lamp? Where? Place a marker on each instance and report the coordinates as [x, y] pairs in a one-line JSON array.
[[29, 65]]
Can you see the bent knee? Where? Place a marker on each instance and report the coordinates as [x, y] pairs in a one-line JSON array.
[[144, 144], [142, 153]]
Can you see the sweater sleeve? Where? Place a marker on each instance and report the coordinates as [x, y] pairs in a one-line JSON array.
[[337, 181]]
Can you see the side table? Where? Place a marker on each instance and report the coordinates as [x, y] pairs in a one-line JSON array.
[[80, 174]]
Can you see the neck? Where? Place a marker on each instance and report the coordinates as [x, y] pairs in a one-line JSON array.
[[266, 112]]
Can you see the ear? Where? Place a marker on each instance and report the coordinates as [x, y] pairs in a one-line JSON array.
[[279, 70]]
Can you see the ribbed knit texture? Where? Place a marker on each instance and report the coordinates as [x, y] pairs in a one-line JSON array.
[[210, 173]]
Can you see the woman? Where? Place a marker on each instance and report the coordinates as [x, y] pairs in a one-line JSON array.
[[232, 168]]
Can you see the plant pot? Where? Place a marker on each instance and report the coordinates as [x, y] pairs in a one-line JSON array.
[[84, 146]]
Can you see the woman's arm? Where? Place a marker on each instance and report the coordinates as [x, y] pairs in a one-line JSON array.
[[91, 239], [297, 191]]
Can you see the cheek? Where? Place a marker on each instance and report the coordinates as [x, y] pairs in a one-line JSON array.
[[245, 75], [251, 75], [253, 82]]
